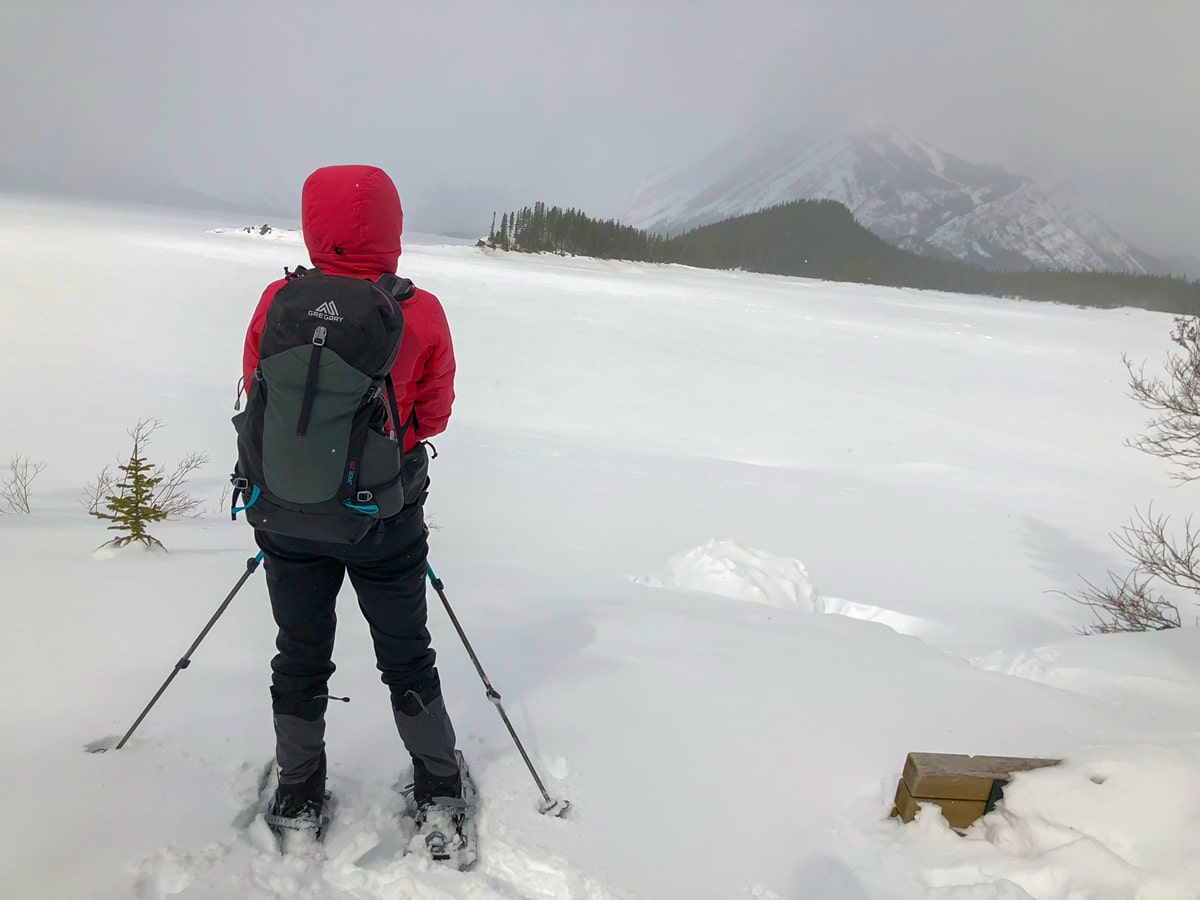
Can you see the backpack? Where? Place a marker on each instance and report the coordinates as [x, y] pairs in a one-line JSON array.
[[314, 460]]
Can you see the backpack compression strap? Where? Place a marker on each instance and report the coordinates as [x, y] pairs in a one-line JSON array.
[[310, 382]]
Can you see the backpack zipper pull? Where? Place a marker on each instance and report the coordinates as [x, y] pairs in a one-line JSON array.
[[237, 401]]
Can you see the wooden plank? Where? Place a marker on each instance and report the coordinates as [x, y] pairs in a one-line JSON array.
[[952, 776], [958, 813]]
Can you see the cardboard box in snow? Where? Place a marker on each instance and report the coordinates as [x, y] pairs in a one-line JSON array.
[[965, 787]]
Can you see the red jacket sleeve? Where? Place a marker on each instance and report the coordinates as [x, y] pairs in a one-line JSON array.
[[434, 395]]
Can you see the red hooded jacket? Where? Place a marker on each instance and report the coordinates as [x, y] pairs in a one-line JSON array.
[[352, 221]]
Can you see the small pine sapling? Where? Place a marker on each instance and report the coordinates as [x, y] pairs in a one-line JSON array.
[[131, 506]]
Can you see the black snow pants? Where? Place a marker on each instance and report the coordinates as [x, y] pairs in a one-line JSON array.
[[387, 570]]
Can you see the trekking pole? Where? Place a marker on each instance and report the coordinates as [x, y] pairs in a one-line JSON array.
[[548, 805], [186, 660]]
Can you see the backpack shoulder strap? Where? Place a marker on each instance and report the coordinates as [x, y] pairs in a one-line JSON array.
[[399, 288], [299, 272]]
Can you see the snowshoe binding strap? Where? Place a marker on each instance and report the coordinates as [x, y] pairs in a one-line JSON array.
[[295, 823]]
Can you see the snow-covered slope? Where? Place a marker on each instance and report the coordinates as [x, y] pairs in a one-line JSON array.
[[907, 192], [729, 545], [1114, 251]]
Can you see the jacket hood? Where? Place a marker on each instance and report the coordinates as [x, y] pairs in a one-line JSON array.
[[352, 220]]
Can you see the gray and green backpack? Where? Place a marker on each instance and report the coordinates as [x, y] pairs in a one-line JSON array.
[[314, 460]]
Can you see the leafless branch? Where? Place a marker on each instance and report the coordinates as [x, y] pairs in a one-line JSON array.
[[172, 496], [1132, 602], [144, 430], [1173, 398], [223, 502], [15, 487], [1126, 603], [1147, 541], [94, 492]]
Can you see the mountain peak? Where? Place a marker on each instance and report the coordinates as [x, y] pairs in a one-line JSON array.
[[907, 191]]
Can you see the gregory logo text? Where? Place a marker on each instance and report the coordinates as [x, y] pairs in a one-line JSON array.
[[327, 311]]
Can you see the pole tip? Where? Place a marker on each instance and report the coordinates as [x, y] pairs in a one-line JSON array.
[[556, 808]]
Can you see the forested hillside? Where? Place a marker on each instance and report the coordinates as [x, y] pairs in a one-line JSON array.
[[821, 239]]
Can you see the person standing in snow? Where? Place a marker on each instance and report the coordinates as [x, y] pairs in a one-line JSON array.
[[352, 224]]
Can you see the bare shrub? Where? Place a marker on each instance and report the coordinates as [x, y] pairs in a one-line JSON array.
[[1173, 398], [1132, 602], [16, 487]]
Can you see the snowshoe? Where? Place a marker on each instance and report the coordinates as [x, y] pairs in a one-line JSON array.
[[444, 827], [297, 810], [311, 818]]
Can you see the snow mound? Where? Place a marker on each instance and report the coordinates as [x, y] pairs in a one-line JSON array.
[[137, 548], [729, 569], [899, 622]]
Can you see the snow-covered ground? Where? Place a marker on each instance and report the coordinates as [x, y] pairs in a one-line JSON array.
[[729, 545]]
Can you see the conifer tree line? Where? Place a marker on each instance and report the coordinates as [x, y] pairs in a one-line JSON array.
[[538, 229], [821, 239]]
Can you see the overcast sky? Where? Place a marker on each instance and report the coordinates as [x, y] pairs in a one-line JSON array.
[[473, 106]]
